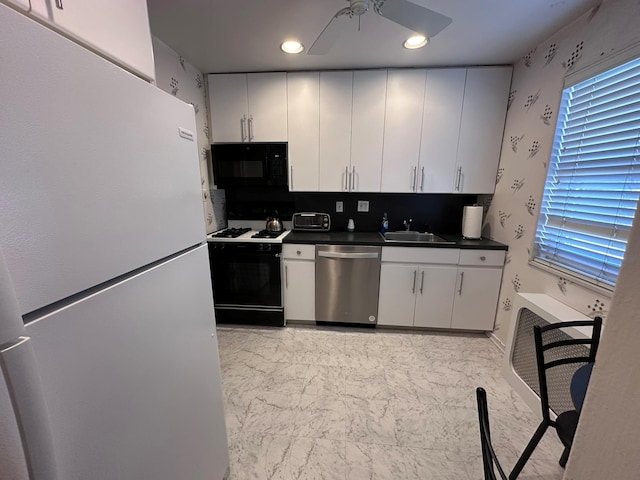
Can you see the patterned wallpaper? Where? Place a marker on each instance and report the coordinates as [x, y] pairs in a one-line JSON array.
[[529, 130], [177, 76]]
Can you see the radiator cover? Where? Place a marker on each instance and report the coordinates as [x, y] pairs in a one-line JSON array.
[[519, 365]]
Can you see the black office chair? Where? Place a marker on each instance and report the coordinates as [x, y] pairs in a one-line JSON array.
[[554, 348], [489, 459]]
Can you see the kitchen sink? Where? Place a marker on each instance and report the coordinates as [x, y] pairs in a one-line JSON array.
[[418, 237]]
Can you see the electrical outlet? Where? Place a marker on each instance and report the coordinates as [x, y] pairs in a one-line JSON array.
[[339, 206], [363, 205]]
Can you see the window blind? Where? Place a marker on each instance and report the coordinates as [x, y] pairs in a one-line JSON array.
[[593, 183]]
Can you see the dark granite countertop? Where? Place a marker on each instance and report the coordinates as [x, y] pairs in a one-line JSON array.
[[374, 238]]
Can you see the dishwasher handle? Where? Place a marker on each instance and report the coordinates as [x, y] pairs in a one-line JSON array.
[[353, 255]]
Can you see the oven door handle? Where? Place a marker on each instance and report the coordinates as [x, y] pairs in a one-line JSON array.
[[355, 255]]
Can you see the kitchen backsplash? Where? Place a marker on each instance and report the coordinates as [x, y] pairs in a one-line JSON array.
[[440, 213]]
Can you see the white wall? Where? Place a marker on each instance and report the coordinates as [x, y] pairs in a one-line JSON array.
[[536, 88], [178, 77]]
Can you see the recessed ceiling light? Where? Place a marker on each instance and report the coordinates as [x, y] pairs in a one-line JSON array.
[[416, 41], [291, 46]]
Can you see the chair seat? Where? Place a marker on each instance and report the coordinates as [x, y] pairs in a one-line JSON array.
[[566, 425]]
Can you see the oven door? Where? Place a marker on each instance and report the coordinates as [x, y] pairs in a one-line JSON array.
[[246, 276]]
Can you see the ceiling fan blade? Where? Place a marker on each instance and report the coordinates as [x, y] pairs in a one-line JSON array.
[[331, 32], [414, 17]]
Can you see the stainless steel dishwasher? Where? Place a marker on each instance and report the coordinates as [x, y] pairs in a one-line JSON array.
[[347, 283]]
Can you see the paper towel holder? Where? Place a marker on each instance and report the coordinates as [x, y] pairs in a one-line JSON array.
[[472, 222]]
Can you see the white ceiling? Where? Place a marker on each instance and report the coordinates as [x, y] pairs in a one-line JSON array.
[[245, 35]]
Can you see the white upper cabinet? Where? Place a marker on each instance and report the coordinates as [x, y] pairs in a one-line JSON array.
[[21, 4], [267, 93], [335, 131], [440, 130], [481, 127], [118, 29], [403, 130], [228, 107], [367, 129], [303, 97], [248, 107]]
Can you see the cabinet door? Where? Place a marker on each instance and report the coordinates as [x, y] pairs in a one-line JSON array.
[[397, 294], [476, 298], [367, 129], [482, 125], [299, 290], [435, 288], [402, 130], [21, 4], [335, 131], [118, 29], [303, 97], [267, 107], [228, 107], [440, 129]]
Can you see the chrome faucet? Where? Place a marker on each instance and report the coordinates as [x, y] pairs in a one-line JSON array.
[[407, 225]]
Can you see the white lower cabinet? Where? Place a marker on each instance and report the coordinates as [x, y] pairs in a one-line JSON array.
[[416, 295], [299, 282], [476, 298], [439, 288], [397, 299], [434, 296]]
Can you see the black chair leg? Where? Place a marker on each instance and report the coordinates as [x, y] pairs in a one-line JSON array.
[[564, 457], [531, 446]]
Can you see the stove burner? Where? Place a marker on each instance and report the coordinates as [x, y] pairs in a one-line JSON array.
[[267, 234], [232, 232]]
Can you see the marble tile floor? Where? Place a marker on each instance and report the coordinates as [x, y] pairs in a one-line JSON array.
[[355, 404]]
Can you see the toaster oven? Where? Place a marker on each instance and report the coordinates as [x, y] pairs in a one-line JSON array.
[[311, 222]]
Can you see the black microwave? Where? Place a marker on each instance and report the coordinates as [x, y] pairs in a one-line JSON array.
[[250, 164]]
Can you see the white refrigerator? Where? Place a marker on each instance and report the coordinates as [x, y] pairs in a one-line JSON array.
[[108, 353]]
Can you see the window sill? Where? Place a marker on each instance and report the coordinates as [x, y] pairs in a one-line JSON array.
[[572, 277]]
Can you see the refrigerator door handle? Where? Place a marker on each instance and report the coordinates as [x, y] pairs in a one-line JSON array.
[[19, 369]]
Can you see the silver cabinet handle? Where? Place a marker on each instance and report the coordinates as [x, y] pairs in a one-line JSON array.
[[291, 178], [59, 5], [243, 121], [286, 276], [414, 172], [346, 177], [422, 282], [353, 179], [250, 121], [356, 255], [461, 280], [422, 179], [458, 178], [415, 274]]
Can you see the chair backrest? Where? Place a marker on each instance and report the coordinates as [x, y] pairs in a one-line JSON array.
[[489, 459], [555, 348]]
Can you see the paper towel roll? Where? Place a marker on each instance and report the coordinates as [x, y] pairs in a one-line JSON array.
[[472, 222]]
